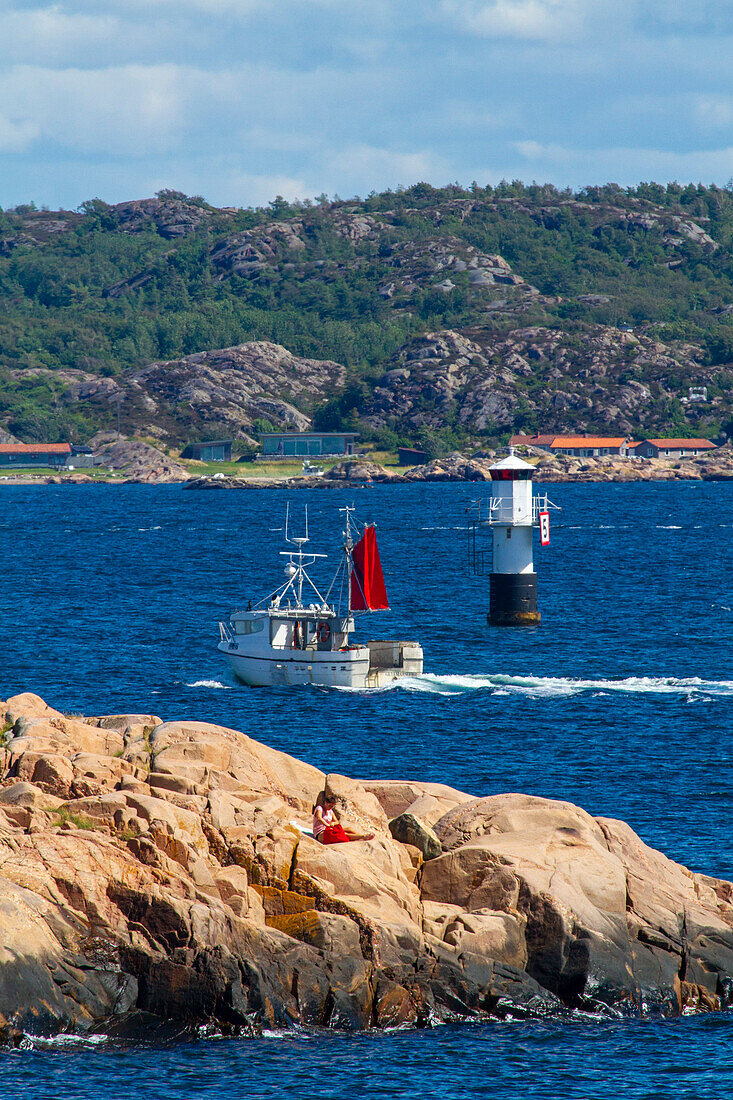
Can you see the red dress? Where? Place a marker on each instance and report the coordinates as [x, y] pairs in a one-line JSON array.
[[329, 830]]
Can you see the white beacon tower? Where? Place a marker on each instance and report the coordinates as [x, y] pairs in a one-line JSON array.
[[513, 514]]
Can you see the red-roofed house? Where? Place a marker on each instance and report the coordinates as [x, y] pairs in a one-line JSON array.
[[588, 446], [22, 455], [531, 440], [672, 448], [579, 445]]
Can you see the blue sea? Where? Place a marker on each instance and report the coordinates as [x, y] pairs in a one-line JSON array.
[[621, 701]]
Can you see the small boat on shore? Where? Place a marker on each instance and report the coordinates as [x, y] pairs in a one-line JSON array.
[[296, 635], [311, 470]]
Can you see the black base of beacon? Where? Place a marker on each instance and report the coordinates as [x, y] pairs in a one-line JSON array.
[[513, 599]]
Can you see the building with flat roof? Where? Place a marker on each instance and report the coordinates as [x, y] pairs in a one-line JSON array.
[[306, 444], [411, 456], [21, 455], [210, 450]]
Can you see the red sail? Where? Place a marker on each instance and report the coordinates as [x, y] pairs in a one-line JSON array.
[[367, 580]]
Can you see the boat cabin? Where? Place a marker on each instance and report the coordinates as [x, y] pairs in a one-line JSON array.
[[299, 629]]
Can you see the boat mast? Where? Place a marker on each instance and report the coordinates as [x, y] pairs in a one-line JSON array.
[[348, 547]]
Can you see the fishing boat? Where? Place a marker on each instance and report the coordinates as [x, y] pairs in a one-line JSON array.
[[311, 470], [296, 635]]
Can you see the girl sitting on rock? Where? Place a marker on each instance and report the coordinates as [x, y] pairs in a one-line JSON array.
[[327, 829]]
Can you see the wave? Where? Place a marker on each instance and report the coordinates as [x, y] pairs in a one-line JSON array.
[[62, 1041], [549, 687], [216, 684]]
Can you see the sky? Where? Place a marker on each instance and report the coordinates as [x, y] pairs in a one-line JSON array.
[[243, 100]]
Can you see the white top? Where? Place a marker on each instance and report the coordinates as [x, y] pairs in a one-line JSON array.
[[511, 462]]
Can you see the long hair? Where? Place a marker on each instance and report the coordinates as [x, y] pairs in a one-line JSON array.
[[320, 801]]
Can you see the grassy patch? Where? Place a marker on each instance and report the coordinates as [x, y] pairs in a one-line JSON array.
[[384, 458], [97, 473], [5, 731], [280, 468], [67, 816]]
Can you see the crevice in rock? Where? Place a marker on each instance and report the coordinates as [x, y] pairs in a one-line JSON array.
[[293, 864]]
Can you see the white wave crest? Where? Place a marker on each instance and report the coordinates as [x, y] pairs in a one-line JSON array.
[[216, 684], [548, 687], [62, 1041]]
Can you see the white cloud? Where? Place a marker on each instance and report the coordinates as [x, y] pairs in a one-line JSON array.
[[358, 166], [240, 99], [118, 110], [250, 189], [713, 110], [16, 137], [226, 9], [625, 165], [527, 19], [51, 34], [535, 150]]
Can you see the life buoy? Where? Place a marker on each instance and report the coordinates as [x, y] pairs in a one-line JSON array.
[[323, 631]]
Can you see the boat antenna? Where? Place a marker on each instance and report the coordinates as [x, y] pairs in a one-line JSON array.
[[348, 548]]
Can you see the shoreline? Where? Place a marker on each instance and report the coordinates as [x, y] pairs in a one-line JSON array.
[[166, 871], [213, 482], [549, 469]]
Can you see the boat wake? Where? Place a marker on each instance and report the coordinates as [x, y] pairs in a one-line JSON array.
[[214, 684], [549, 687]]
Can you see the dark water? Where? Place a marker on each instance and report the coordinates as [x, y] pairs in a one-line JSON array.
[[621, 702]]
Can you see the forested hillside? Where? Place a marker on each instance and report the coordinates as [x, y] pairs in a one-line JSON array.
[[457, 314]]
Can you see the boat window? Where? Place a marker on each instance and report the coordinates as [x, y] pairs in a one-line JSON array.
[[281, 633], [248, 626]]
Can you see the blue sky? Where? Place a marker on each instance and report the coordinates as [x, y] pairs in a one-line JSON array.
[[240, 100]]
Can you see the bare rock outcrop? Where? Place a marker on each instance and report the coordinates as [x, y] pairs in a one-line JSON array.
[[360, 470], [154, 869], [140, 461], [612, 380], [225, 390], [454, 467], [171, 215], [222, 391]]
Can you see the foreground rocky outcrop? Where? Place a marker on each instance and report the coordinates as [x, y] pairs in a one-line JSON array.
[[156, 870]]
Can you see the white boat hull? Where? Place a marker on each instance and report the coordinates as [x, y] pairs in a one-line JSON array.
[[348, 669]]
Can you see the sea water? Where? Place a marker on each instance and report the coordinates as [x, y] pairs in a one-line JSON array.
[[621, 701]]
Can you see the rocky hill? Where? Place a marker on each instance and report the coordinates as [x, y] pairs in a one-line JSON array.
[[164, 871], [483, 381], [464, 313], [478, 381]]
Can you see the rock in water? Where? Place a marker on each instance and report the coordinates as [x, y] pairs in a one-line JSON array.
[[408, 829], [165, 869]]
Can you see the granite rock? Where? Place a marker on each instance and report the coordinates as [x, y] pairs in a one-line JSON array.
[[166, 870]]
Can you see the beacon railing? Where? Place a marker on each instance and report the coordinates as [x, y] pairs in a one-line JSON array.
[[489, 513], [504, 511]]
